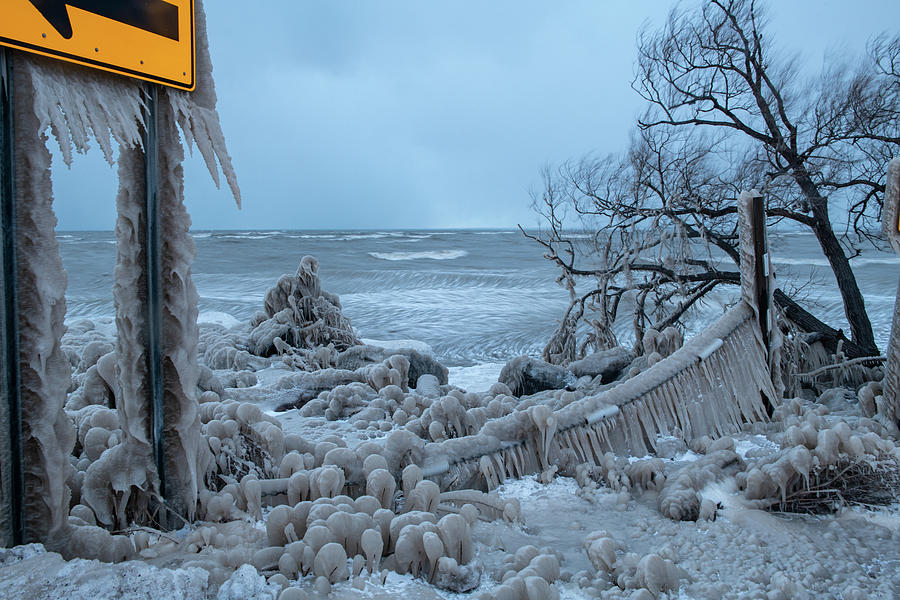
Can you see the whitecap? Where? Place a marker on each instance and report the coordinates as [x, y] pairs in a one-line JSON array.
[[216, 317], [812, 262], [430, 255], [888, 260]]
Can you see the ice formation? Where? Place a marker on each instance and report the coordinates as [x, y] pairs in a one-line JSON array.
[[186, 455], [889, 404], [823, 466], [695, 395], [47, 433], [78, 106], [298, 313], [364, 490], [373, 469]]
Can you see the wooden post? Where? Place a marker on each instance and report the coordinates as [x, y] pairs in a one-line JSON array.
[[755, 288]]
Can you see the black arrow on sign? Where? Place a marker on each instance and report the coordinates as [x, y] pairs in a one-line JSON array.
[[155, 16]]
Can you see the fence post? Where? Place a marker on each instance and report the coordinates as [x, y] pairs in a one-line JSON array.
[[755, 289], [757, 281], [889, 407]]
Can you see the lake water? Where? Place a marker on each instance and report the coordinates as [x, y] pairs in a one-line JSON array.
[[474, 296]]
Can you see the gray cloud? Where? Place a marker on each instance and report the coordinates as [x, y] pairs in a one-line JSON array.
[[419, 114]]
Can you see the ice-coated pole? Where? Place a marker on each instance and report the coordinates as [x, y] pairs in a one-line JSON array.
[[11, 474], [890, 227], [154, 282]]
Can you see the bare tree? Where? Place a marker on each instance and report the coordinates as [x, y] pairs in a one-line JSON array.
[[813, 145], [656, 227]]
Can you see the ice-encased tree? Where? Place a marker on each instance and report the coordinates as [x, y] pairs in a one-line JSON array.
[[725, 113], [817, 145]]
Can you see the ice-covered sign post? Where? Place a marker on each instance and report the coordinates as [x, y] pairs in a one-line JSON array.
[[153, 474]]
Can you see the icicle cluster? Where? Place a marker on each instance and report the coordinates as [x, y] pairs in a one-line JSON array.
[[822, 467], [196, 112], [529, 573], [710, 386], [315, 530]]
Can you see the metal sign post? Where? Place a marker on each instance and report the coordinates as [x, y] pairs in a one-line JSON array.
[[152, 40], [11, 474], [154, 282]]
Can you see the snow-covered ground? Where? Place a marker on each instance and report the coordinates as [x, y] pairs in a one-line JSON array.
[[734, 550]]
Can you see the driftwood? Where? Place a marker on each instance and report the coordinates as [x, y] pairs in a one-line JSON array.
[[850, 482]]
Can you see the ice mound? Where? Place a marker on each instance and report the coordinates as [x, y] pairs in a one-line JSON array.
[[298, 313], [823, 466]]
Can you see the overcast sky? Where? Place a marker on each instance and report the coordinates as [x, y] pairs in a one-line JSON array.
[[412, 114]]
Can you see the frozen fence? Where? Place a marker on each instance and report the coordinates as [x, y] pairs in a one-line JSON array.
[[711, 386]]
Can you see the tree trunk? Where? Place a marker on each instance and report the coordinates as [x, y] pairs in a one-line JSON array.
[[854, 305], [808, 323]]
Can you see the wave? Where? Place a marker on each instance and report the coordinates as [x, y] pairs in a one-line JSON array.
[[247, 236], [429, 255], [858, 262], [810, 262], [823, 262], [311, 236]]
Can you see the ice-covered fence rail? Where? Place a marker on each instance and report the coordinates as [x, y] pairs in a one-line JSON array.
[[714, 383]]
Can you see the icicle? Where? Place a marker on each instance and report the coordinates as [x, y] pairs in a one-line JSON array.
[[197, 117], [646, 423], [594, 442], [520, 458], [584, 444]]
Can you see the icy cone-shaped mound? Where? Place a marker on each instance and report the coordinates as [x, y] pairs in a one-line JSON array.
[[300, 314]]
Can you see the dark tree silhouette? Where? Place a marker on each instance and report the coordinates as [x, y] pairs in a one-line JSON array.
[[813, 144]]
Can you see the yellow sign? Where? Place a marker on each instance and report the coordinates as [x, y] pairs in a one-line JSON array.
[[147, 39]]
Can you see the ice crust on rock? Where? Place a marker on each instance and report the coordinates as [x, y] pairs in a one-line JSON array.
[[607, 364], [525, 376], [420, 362]]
